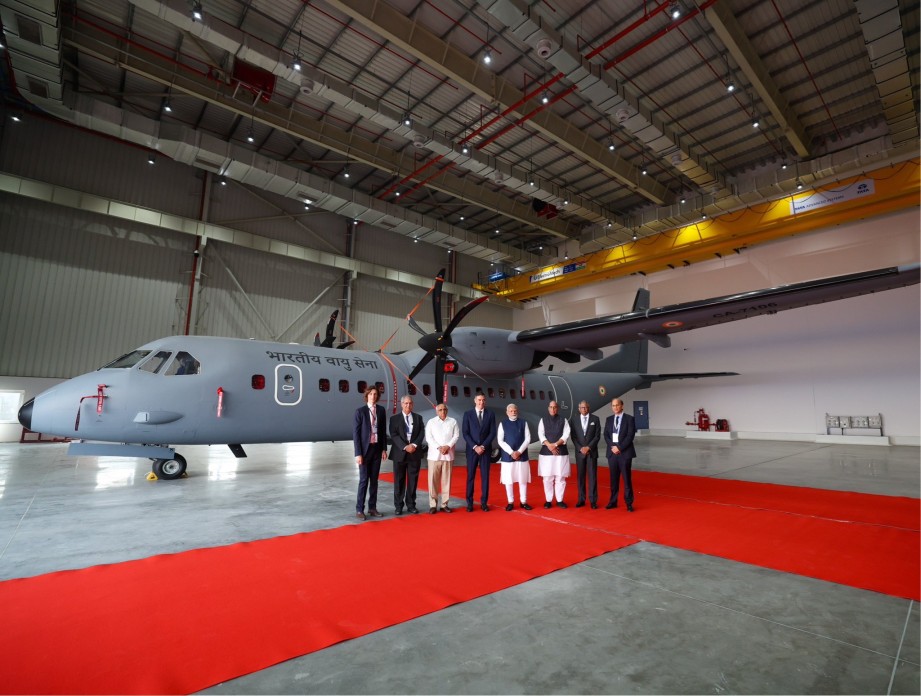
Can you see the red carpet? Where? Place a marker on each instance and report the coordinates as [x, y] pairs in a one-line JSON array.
[[182, 622], [865, 541]]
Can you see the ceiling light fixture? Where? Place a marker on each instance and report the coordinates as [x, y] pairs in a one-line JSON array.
[[16, 118], [346, 173], [166, 106], [150, 158], [799, 185], [611, 145], [407, 120], [296, 63], [487, 56], [545, 98], [250, 136], [674, 9], [197, 12]]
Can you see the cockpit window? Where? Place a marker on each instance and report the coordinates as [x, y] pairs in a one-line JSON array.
[[184, 364], [128, 360], [156, 362]]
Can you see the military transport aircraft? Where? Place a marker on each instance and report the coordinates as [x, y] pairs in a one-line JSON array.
[[210, 390]]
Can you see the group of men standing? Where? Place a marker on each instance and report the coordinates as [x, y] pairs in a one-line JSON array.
[[409, 437]]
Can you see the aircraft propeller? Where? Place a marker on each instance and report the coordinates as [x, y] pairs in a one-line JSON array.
[[437, 344]]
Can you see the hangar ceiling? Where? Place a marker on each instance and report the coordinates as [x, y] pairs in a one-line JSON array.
[[593, 122]]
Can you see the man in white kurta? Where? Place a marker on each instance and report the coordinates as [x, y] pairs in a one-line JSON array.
[[553, 460], [514, 437], [441, 435]]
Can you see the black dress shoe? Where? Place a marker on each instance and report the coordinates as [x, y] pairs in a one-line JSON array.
[[580, 504], [469, 507], [509, 507], [594, 506], [399, 512], [562, 504], [484, 507], [414, 511], [360, 515], [445, 508], [629, 508], [548, 505], [432, 511], [375, 513], [610, 505], [525, 506]]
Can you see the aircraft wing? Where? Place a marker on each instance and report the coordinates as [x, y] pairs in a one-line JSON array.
[[658, 323]]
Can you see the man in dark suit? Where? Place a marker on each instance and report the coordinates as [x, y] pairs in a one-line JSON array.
[[619, 431], [407, 437], [479, 431], [369, 435], [584, 434]]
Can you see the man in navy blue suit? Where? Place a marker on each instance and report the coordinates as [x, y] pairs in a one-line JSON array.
[[619, 431], [369, 435], [479, 431]]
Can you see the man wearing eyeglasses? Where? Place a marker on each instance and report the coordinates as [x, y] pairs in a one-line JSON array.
[[441, 434]]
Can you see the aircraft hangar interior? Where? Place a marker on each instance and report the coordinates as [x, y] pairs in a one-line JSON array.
[[221, 221]]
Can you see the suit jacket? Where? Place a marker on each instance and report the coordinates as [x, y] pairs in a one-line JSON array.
[[624, 437], [361, 429], [398, 438], [474, 434], [581, 439]]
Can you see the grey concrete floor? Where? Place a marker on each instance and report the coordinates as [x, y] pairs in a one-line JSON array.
[[646, 619]]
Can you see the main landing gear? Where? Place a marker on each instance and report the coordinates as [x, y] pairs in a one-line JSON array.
[[169, 469]]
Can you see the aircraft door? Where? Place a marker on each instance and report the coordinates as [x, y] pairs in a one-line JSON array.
[[289, 385], [563, 396]]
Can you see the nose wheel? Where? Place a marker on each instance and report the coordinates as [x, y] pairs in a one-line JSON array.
[[169, 469]]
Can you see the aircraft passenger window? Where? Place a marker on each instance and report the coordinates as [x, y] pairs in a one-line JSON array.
[[427, 389], [550, 396], [184, 364], [466, 391], [533, 395], [362, 385], [501, 392], [410, 388], [258, 381], [128, 360], [541, 394], [380, 388], [479, 390], [492, 393], [453, 391], [156, 362], [324, 385], [344, 386]]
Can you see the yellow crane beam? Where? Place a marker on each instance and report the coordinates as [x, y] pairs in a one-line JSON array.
[[869, 195]]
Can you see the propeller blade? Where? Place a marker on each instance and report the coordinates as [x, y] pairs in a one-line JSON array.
[[439, 379], [422, 363], [436, 299], [316, 339], [464, 311], [415, 326], [330, 329]]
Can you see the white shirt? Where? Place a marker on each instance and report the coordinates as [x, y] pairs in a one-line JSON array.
[[439, 433]]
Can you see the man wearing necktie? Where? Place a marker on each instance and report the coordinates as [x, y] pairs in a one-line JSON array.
[[585, 433], [479, 431], [619, 431], [407, 436], [369, 437]]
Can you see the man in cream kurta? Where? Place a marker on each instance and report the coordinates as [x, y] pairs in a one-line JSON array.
[[441, 434]]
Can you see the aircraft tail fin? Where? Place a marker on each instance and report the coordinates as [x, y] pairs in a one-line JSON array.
[[630, 357]]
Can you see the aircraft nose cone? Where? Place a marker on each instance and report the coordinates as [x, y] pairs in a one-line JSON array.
[[25, 414]]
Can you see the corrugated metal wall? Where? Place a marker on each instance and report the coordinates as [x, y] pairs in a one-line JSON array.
[[82, 288]]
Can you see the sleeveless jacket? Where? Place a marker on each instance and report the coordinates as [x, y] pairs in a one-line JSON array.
[[553, 431], [513, 434]]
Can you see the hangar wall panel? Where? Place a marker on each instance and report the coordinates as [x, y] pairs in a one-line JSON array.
[[81, 288], [67, 156]]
